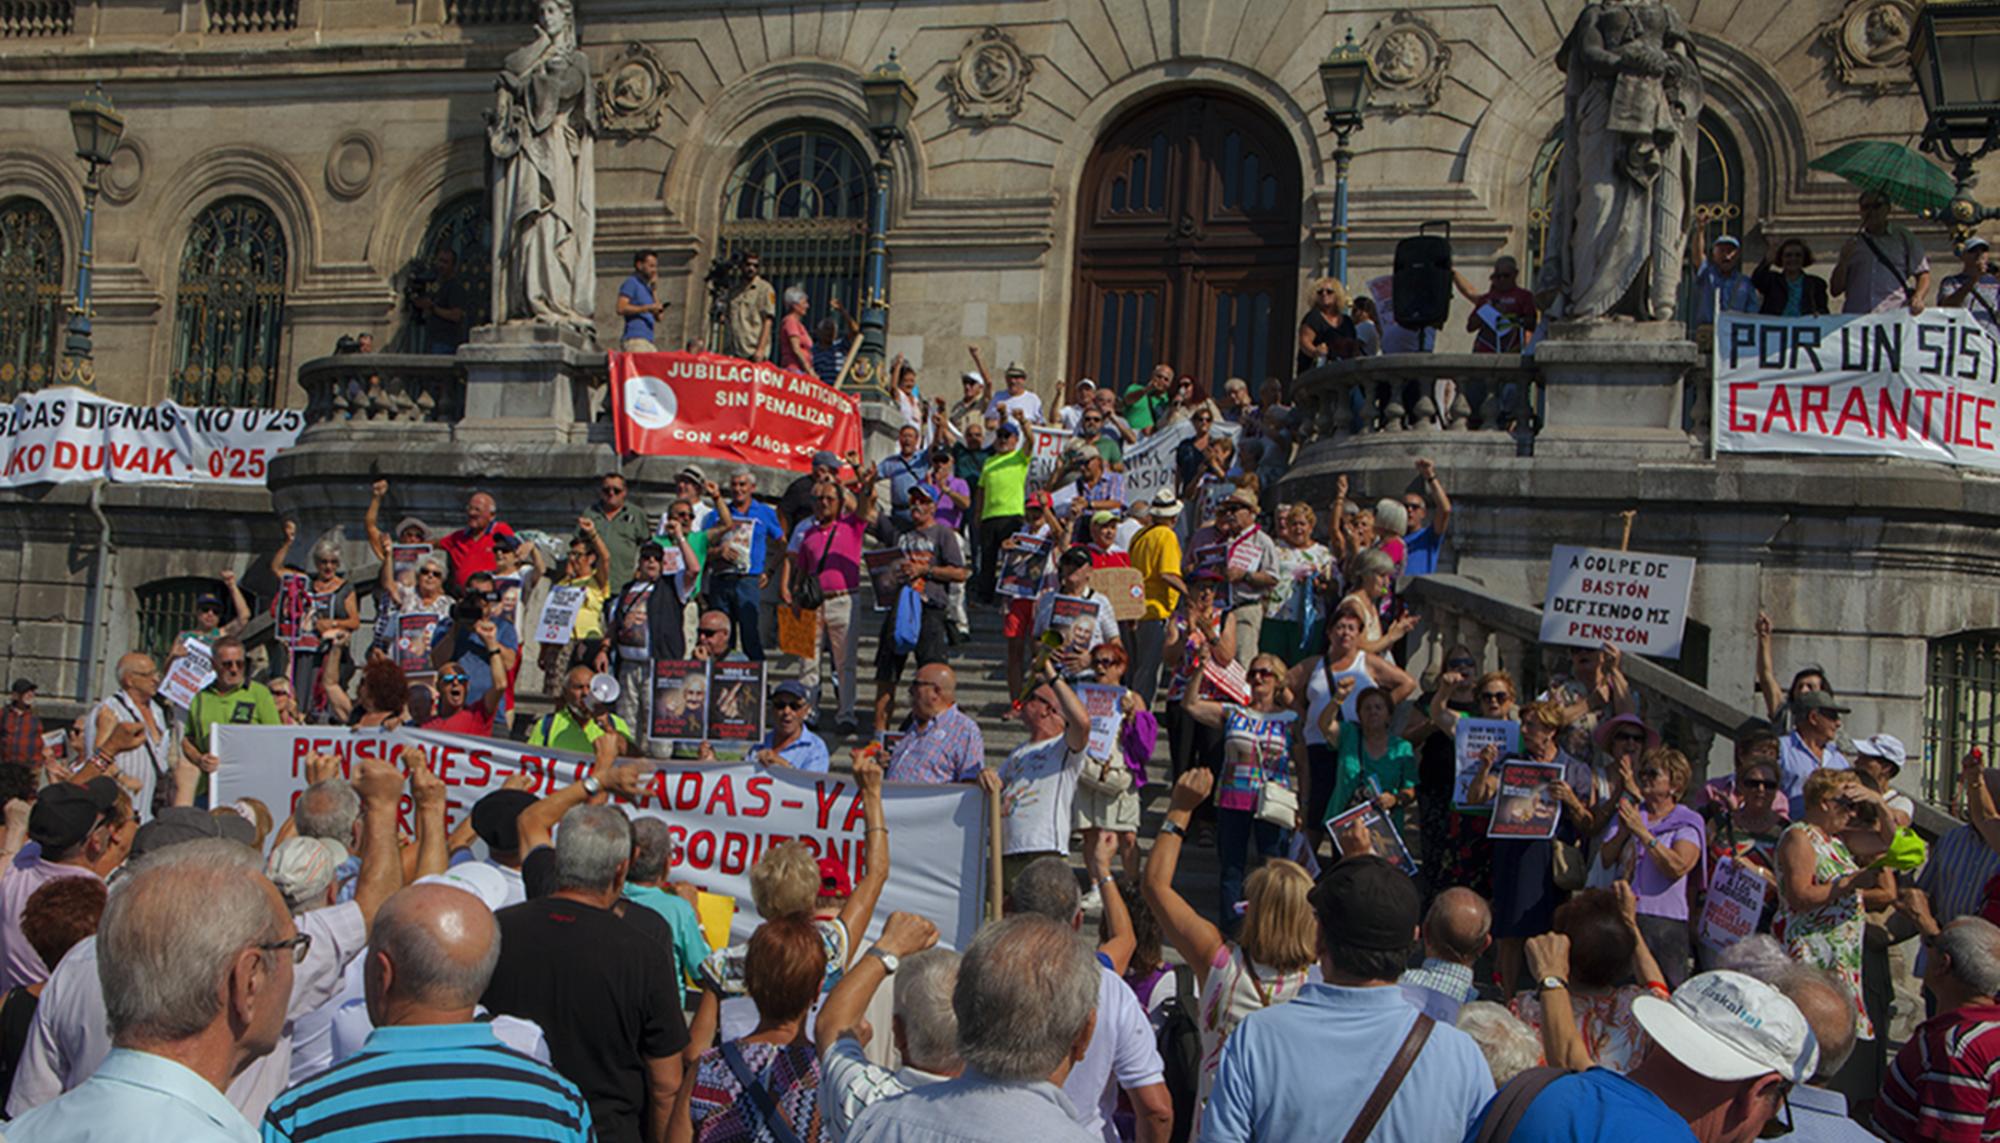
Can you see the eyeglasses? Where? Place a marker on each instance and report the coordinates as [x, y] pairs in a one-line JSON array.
[[448, 679], [1105, 664], [1756, 783], [432, 573], [298, 944], [1775, 1128], [713, 632], [226, 664], [1628, 737], [1494, 696]]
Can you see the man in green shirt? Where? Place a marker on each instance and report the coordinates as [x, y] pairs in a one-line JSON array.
[[573, 726], [231, 698], [1003, 494], [623, 526], [1144, 405]]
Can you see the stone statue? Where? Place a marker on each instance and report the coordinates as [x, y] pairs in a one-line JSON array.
[[540, 133], [1619, 218]]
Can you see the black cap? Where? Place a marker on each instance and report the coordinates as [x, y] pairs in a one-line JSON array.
[[1367, 903], [650, 550], [493, 818], [208, 601], [505, 541], [23, 686], [176, 824], [65, 813]]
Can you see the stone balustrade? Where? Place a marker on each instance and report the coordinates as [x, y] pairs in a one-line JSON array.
[[386, 389], [231, 16], [20, 19], [1418, 392]]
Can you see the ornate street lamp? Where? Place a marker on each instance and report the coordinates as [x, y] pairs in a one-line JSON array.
[[98, 127], [890, 99], [1346, 76], [1952, 50]]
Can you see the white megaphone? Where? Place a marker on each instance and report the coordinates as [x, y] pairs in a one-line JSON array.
[[604, 690]]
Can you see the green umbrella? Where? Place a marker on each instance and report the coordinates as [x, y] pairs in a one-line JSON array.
[[1904, 177]]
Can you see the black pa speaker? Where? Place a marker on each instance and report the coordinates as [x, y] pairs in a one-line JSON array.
[[1423, 278]]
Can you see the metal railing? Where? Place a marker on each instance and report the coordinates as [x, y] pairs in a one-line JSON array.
[[383, 388], [1961, 707], [1419, 392]]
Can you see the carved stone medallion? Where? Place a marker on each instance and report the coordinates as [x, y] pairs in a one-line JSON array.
[[989, 78], [1408, 59], [632, 93], [1870, 43]]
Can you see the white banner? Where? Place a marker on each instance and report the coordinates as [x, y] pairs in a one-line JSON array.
[[1149, 464], [61, 435], [724, 815], [1920, 388], [1635, 601]]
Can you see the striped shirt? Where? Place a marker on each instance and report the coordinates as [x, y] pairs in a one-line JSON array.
[[1955, 877], [1941, 1086], [431, 1082]]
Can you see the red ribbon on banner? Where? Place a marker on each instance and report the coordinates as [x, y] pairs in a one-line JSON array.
[[726, 408]]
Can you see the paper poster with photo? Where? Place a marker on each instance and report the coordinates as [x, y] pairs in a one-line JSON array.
[[881, 564], [290, 607], [191, 672], [735, 702], [1472, 736], [680, 699], [558, 618], [1104, 705], [1384, 840], [509, 587], [1067, 612], [1526, 807], [1024, 561], [413, 644], [404, 559], [1734, 904]]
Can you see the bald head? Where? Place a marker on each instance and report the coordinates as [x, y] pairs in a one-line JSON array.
[[1829, 1011], [431, 952], [134, 665], [1458, 928], [934, 689]]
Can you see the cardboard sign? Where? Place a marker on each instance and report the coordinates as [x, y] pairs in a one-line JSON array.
[[1636, 601], [1125, 588], [1471, 736], [1733, 906], [727, 409], [558, 619], [1526, 807], [1046, 444], [680, 700]]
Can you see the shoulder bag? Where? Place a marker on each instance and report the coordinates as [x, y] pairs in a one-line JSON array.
[[1509, 1107], [1385, 1088], [808, 594]]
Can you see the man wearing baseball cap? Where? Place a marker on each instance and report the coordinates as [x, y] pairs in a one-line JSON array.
[[1003, 495], [932, 560], [788, 742], [83, 831], [1974, 288], [21, 727], [1721, 284], [1314, 1067], [1878, 759], [1810, 745], [1727, 1050]]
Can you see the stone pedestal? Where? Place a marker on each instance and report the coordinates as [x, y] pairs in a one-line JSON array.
[[1619, 384], [527, 383]]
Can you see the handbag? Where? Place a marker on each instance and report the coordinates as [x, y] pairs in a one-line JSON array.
[[1107, 776], [809, 594], [1278, 805]]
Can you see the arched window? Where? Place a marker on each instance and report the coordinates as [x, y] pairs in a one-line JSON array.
[[229, 311], [31, 295], [1718, 189], [463, 226], [799, 199]]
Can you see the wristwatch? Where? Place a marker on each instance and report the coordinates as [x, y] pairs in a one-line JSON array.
[[1172, 828], [1554, 984], [591, 785], [890, 961]]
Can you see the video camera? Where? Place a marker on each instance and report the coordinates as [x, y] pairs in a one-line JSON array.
[[418, 283], [725, 277]]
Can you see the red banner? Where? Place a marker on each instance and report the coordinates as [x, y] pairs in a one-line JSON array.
[[725, 408]]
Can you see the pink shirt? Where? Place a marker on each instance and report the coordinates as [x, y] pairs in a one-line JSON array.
[[793, 329], [22, 964], [838, 560]]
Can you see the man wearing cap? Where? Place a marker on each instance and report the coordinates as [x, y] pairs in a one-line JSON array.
[[621, 524], [797, 502], [1810, 745], [1974, 288], [1156, 556], [1082, 399], [1503, 318], [1277, 1080], [1727, 1050], [692, 485], [1941, 1084], [643, 623], [1017, 398], [208, 624], [470, 549], [788, 742], [21, 727], [932, 559], [741, 570], [1101, 543], [1003, 495], [79, 831], [1721, 284], [1248, 559], [1882, 267], [1878, 759]]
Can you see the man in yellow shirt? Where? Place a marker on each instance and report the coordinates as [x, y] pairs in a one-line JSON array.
[[1156, 555], [575, 725]]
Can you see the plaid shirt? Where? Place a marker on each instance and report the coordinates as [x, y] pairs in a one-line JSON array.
[[20, 736], [948, 748]]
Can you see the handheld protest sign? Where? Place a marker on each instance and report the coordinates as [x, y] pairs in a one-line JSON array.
[[1125, 588]]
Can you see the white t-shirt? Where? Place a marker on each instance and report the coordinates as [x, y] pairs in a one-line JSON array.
[[1037, 788], [1029, 402], [1122, 1049], [1105, 630], [1128, 530]]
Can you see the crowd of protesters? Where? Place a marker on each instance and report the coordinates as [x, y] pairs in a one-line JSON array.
[[1366, 963]]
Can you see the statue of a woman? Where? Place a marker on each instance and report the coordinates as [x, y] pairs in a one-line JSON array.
[[544, 187], [1618, 228]]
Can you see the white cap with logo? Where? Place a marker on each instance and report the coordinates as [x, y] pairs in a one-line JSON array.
[[1728, 1027]]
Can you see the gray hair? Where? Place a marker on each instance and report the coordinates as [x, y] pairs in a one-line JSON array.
[[1046, 888], [592, 843], [1758, 955], [1391, 517], [924, 985], [1509, 1046], [164, 965], [1830, 1014], [328, 809], [794, 295], [426, 970], [326, 549], [1973, 944], [652, 850], [1371, 562], [1027, 988]]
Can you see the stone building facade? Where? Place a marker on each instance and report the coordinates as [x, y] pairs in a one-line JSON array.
[[1087, 187]]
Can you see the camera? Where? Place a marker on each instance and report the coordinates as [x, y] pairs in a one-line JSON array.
[[468, 611], [418, 284], [725, 277]]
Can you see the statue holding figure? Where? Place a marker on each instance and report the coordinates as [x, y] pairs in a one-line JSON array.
[[540, 135], [1625, 180]]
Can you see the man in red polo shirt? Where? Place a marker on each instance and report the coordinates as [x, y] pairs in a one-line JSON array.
[[470, 549], [1942, 1084]]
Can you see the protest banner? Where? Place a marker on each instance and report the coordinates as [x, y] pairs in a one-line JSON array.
[[1734, 905], [1125, 588], [1636, 601], [1526, 807], [1149, 463], [1024, 561], [413, 644], [1046, 444], [404, 560], [727, 409], [1104, 705], [680, 699], [1384, 840], [1471, 736], [558, 618], [736, 702], [191, 672], [723, 816], [65, 434], [1886, 385]]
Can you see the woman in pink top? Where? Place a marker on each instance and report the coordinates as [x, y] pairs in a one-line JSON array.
[[795, 342]]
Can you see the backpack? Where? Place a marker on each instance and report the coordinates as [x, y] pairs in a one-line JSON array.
[[909, 621], [1179, 1043]]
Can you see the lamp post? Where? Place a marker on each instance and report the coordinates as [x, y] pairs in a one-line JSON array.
[[889, 97], [1951, 52], [1346, 77], [98, 127]]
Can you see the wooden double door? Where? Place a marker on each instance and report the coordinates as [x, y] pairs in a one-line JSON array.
[[1188, 246]]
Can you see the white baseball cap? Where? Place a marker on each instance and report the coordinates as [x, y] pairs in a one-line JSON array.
[[475, 877], [1887, 747], [1729, 1027]]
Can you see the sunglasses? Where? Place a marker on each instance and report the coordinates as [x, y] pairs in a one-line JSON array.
[[1105, 664], [1260, 673], [680, 516], [787, 703], [613, 489], [1757, 783], [432, 572], [1495, 696], [1413, 505], [454, 679], [712, 632], [1626, 736], [280, 692], [1459, 664]]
